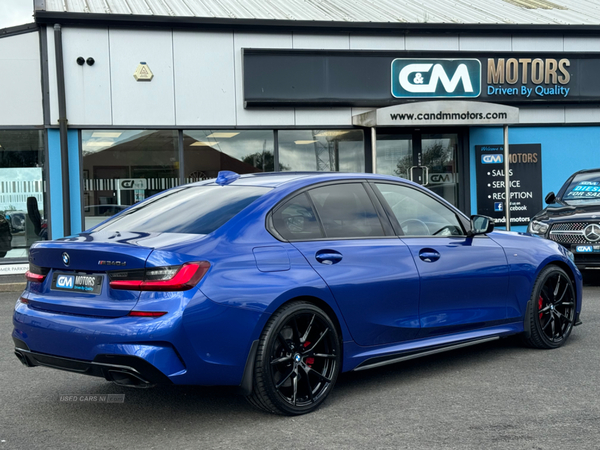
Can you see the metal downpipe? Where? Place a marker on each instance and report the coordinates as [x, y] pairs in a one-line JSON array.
[[62, 122]]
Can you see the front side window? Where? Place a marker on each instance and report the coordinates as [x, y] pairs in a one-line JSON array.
[[346, 211], [189, 209], [22, 205], [419, 214]]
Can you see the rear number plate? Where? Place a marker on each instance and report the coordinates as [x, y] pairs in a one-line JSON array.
[[89, 284]]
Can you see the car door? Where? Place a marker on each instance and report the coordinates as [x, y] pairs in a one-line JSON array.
[[464, 280], [351, 245]]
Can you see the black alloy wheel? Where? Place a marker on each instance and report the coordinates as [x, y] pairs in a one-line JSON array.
[[297, 362], [552, 309]]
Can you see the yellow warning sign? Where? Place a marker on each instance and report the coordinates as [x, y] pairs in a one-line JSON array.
[[143, 72]]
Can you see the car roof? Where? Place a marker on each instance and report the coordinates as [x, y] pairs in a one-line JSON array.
[[276, 179]]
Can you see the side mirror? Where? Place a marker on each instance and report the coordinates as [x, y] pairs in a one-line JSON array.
[[481, 225], [550, 198]]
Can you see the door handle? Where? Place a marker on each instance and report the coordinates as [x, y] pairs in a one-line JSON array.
[[328, 257], [429, 255]]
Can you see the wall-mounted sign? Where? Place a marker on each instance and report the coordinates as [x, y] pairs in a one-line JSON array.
[[439, 112], [436, 78], [13, 269], [525, 182], [361, 78], [143, 73], [131, 184]]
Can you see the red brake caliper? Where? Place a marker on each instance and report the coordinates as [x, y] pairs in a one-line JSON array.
[[309, 361], [540, 301]]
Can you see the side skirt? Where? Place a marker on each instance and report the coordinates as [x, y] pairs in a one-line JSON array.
[[404, 356]]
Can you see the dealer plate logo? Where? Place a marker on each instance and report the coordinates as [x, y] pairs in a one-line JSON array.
[[65, 281], [436, 78]]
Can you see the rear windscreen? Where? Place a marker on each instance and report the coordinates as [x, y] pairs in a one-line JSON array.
[[190, 209], [584, 187]]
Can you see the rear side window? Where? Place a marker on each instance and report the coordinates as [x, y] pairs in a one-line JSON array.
[[190, 209], [346, 211], [296, 220]]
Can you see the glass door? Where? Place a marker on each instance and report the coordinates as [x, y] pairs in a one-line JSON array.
[[429, 159]]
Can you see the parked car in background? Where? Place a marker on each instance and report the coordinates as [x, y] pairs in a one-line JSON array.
[[572, 218], [279, 282], [16, 219], [5, 236]]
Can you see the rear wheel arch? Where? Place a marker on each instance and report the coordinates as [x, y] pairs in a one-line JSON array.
[[299, 359], [248, 375]]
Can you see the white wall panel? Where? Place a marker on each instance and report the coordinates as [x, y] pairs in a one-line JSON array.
[[360, 42], [485, 43], [582, 114], [537, 44], [20, 80], [541, 115], [323, 116], [318, 41], [582, 44], [144, 103], [204, 78], [432, 42], [263, 116], [88, 87]]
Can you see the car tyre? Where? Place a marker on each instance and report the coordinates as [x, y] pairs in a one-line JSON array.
[[551, 312], [297, 362]]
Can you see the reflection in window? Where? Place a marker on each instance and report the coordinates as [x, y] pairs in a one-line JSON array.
[[394, 154], [419, 214], [296, 220], [439, 154], [346, 211], [21, 191], [123, 167], [322, 150], [206, 152]]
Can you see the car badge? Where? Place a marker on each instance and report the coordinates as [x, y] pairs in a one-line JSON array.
[[66, 259], [592, 232]]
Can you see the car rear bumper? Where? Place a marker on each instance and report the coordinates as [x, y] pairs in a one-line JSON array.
[[198, 342], [125, 370]]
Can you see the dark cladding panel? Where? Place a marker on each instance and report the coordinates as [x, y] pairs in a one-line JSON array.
[[315, 78], [588, 74]]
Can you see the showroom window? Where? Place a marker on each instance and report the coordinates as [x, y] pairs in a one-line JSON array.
[[322, 150], [22, 202], [123, 167], [206, 152]]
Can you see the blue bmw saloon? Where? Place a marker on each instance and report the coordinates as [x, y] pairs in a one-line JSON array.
[[279, 282]]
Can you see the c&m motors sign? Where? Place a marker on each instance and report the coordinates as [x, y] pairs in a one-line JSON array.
[[436, 78]]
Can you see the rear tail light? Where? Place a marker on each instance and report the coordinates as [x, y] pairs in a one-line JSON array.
[[36, 274], [170, 278]]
